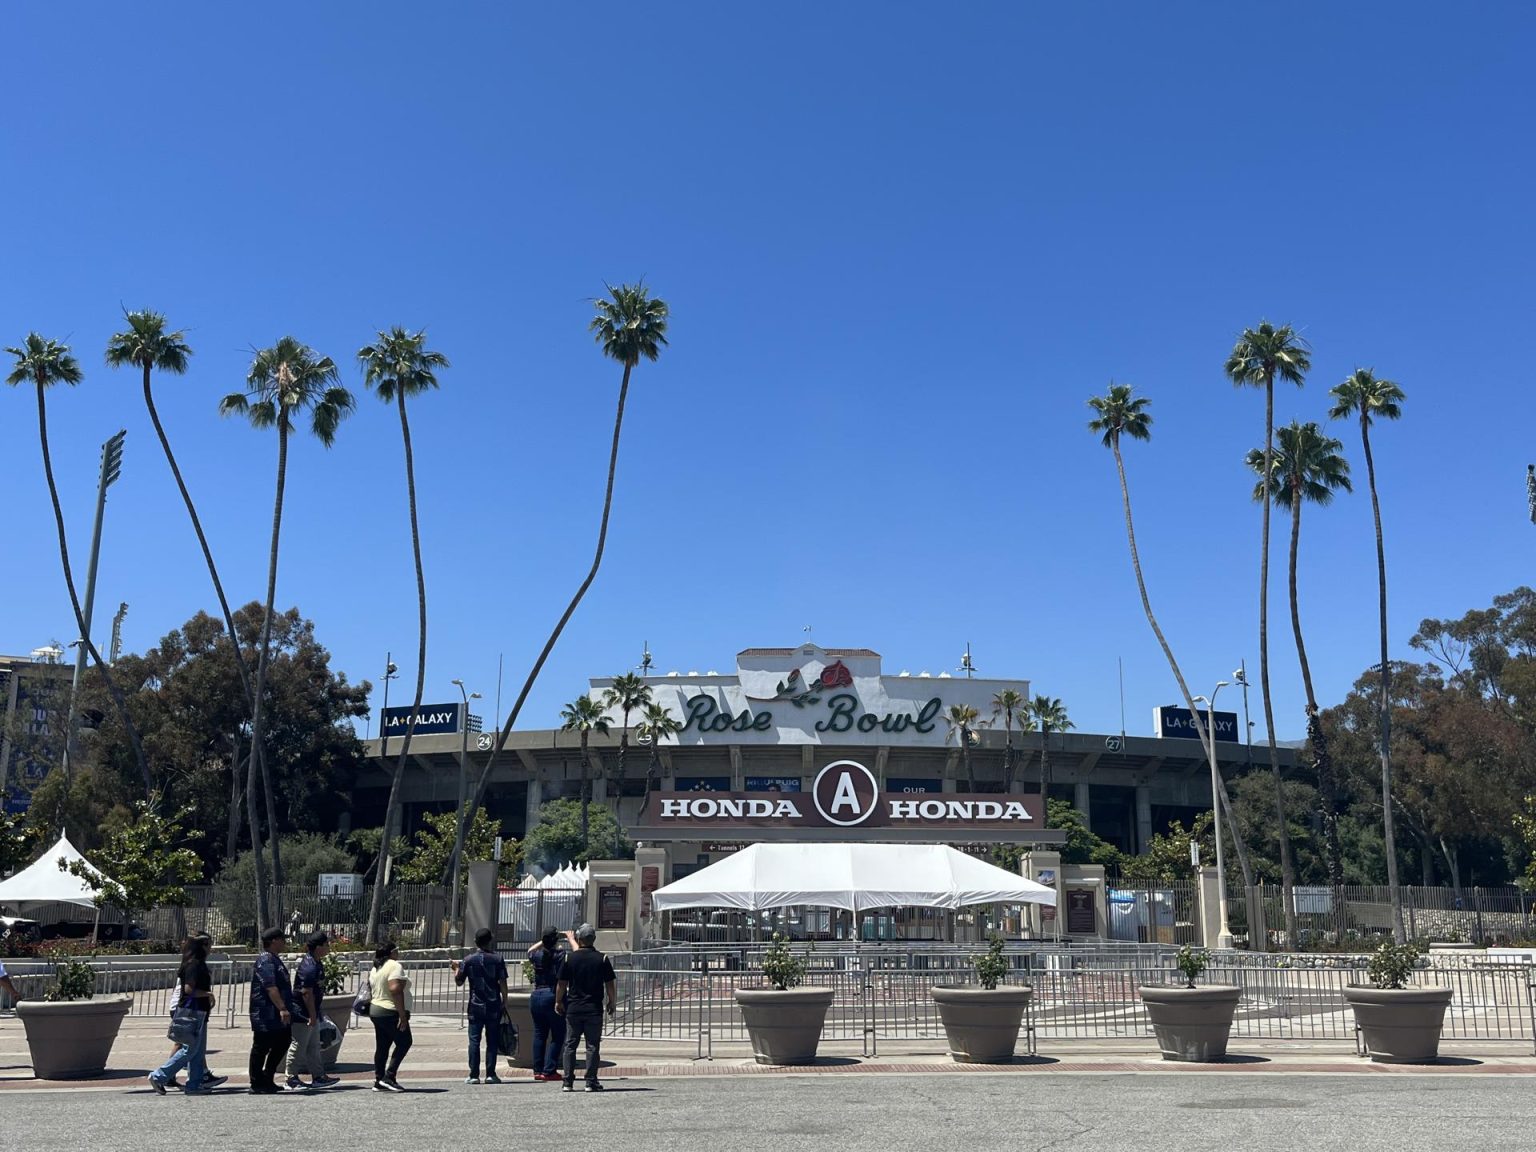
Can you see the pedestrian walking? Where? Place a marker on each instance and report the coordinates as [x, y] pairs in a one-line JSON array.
[[5, 982], [308, 988], [486, 974], [587, 986], [548, 1025], [389, 1010], [271, 1013], [194, 986]]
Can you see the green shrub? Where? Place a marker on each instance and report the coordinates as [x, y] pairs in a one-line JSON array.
[[335, 974], [992, 966], [73, 979], [1392, 965], [782, 968], [1192, 961], [530, 973]]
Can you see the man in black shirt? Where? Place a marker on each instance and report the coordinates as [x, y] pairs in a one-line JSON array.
[[587, 984]]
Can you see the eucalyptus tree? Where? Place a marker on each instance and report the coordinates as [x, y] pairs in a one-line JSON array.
[[397, 367], [584, 716], [1120, 413], [45, 364], [1010, 704], [628, 693], [1366, 397], [285, 381], [629, 325], [1260, 356], [656, 724], [962, 720], [1308, 468]]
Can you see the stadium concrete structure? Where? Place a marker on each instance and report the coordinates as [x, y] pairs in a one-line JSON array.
[[774, 723]]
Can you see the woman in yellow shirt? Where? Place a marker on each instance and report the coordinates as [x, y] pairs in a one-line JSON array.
[[390, 1010]]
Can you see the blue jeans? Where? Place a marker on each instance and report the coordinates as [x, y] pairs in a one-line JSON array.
[[193, 1056], [492, 1030], [548, 1032]]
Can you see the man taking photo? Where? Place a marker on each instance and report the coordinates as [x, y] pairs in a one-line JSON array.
[[587, 984]]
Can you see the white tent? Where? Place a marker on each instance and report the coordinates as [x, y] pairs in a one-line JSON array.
[[44, 882], [850, 876]]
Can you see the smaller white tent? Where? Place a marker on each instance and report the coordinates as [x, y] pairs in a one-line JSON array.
[[850, 876], [44, 882]]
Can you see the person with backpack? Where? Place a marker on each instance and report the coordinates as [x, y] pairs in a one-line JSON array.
[[194, 985], [486, 974], [308, 986], [547, 957], [271, 1013]]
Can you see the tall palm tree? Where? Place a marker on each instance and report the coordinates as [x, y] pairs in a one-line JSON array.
[[1008, 703], [1258, 358], [146, 344], [630, 325], [656, 724], [45, 363], [1121, 413], [962, 720], [1364, 395], [1051, 715], [584, 716], [1308, 467], [628, 693], [285, 380], [397, 367]]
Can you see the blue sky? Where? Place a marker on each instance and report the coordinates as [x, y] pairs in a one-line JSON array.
[[902, 244]]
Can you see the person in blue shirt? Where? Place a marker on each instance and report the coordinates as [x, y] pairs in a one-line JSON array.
[[486, 974], [271, 1013], [308, 988]]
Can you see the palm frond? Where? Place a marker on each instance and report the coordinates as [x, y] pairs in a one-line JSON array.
[[400, 363], [1304, 463], [1267, 353], [630, 324], [43, 362], [1120, 413]]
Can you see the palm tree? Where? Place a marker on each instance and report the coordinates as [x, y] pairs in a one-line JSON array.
[[1366, 396], [286, 379], [584, 716], [1049, 713], [397, 367], [630, 325], [1308, 467], [147, 345], [656, 724], [1260, 356], [45, 363], [628, 693], [1120, 413], [1008, 703], [962, 718]]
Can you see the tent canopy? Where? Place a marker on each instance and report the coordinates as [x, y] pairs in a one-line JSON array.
[[849, 876], [44, 882]]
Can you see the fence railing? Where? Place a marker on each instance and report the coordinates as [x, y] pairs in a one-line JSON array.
[[1363, 913]]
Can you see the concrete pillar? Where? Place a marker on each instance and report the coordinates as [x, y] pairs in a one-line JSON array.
[[482, 906], [1044, 868], [1208, 893], [1143, 817], [613, 889], [535, 801], [1082, 800]]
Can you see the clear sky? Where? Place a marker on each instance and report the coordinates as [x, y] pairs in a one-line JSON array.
[[902, 244]]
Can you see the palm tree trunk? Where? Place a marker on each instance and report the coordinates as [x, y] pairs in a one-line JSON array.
[[549, 645], [965, 756], [118, 700], [232, 840], [393, 805], [1399, 929], [1189, 701], [258, 714], [1008, 760], [1282, 830]]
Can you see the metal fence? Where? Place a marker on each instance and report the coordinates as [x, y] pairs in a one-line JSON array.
[[1326, 917]]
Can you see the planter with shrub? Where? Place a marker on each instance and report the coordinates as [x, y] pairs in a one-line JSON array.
[[69, 1032], [1192, 1023], [340, 973], [784, 1020], [982, 1021], [1398, 1024]]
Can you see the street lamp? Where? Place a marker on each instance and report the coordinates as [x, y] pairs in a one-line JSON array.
[[1241, 676], [455, 931], [1224, 935], [391, 672]]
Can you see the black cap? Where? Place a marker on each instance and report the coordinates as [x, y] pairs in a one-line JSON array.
[[272, 934]]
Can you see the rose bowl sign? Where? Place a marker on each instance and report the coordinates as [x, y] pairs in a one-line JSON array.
[[844, 803]]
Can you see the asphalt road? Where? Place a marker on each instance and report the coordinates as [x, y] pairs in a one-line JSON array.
[[848, 1113]]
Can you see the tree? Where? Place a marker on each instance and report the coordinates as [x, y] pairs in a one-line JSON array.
[[45, 364], [628, 693], [629, 325], [655, 726], [1259, 356], [286, 379], [144, 862], [1051, 716], [306, 855], [962, 720], [1366, 396], [1082, 845], [1009, 703], [145, 344], [564, 835], [431, 853], [397, 367], [1308, 467], [1120, 413], [1165, 862], [584, 716], [19, 839]]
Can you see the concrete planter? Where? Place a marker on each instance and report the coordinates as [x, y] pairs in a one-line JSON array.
[[338, 1010], [784, 1024], [522, 1015], [1399, 1025], [1191, 1024], [71, 1039], [982, 1024]]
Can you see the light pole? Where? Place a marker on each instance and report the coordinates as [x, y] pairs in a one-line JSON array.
[[1241, 676], [455, 931], [390, 673], [111, 468], [1224, 935]]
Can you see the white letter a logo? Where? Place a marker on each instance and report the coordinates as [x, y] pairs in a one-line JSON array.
[[844, 797]]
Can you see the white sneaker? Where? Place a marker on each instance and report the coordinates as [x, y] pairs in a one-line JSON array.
[[471, 1079]]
